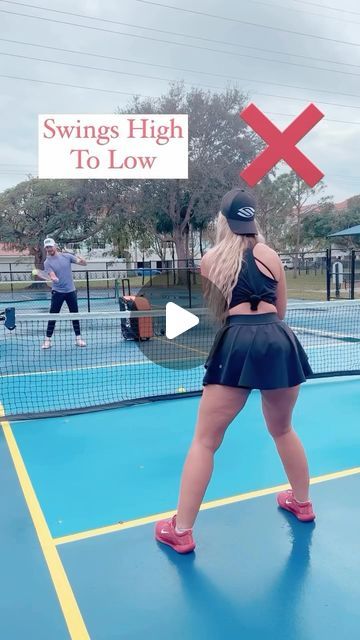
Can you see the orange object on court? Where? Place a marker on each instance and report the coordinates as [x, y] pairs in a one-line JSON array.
[[136, 328]]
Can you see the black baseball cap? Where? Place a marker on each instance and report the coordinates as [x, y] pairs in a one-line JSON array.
[[238, 207]]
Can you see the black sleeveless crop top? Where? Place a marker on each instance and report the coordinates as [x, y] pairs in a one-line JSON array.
[[253, 285]]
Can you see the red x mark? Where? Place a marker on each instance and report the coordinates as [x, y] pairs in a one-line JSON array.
[[281, 145]]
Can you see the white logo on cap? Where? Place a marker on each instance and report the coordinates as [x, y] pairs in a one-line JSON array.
[[246, 212]]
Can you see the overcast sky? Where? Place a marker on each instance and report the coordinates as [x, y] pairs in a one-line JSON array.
[[251, 42]]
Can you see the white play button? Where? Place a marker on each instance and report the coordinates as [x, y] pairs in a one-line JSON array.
[[178, 320]]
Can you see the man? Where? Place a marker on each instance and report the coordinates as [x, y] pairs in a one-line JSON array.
[[58, 266]]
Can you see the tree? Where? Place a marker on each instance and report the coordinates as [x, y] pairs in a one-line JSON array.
[[68, 210], [220, 145], [351, 218], [320, 224], [200, 224], [273, 202], [298, 193]]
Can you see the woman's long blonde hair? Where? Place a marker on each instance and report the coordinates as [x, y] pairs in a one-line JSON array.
[[227, 256]]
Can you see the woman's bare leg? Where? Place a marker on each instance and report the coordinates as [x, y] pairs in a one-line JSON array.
[[277, 407], [218, 407]]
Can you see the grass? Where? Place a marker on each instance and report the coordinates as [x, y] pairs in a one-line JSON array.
[[306, 286], [312, 287]]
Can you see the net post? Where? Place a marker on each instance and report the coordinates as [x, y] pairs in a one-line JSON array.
[[328, 273], [352, 275], [11, 281], [189, 287], [123, 280], [88, 290], [337, 281]]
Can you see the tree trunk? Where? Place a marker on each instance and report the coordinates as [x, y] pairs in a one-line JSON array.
[[297, 246], [201, 242], [39, 257], [181, 242], [39, 260], [158, 246], [298, 227]]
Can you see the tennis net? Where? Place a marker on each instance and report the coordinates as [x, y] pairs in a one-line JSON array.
[[113, 370]]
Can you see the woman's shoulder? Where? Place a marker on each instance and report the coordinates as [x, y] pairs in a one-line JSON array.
[[263, 250], [269, 258]]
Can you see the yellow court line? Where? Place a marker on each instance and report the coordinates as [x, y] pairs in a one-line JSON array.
[[69, 606], [91, 533]]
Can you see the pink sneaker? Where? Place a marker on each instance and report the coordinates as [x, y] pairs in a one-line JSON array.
[[303, 512], [165, 533]]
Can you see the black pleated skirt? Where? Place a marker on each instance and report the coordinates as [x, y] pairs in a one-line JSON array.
[[256, 352]]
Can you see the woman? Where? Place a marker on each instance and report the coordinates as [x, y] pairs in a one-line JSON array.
[[255, 349]]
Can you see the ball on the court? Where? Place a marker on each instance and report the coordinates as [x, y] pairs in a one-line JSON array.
[[34, 272], [181, 390]]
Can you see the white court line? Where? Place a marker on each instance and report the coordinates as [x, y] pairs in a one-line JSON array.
[[94, 366], [322, 333], [326, 346]]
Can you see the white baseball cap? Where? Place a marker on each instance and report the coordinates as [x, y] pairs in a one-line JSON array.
[[49, 242]]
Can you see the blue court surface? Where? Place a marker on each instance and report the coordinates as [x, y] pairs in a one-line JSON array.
[[80, 495]]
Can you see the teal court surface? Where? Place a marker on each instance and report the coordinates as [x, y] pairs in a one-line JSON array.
[[80, 495]]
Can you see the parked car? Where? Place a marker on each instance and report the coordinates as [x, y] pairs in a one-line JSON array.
[[147, 271], [288, 263]]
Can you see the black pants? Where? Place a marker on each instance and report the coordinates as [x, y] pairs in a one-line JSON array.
[[57, 301]]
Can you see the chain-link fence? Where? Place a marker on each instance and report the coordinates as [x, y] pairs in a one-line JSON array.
[[310, 276], [95, 290]]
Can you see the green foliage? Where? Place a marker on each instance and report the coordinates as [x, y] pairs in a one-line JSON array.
[[220, 145], [68, 210], [274, 203], [320, 224], [302, 202]]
